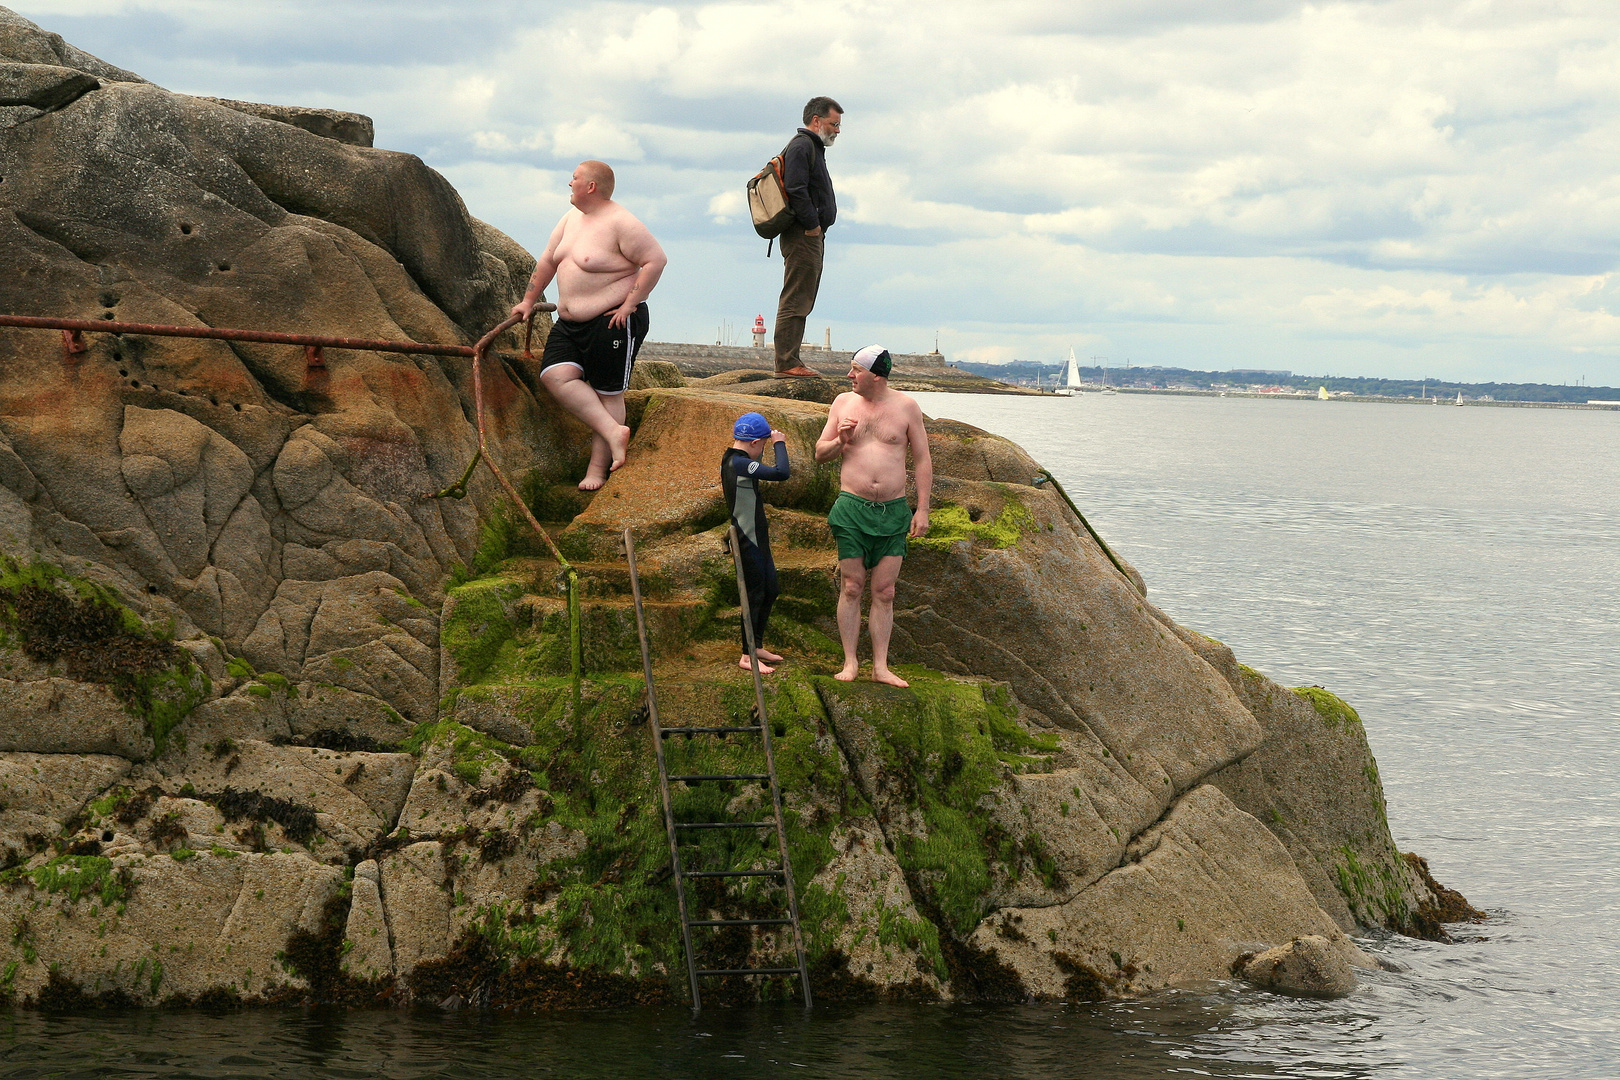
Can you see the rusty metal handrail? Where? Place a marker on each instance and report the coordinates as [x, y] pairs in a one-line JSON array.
[[483, 443], [73, 343], [73, 328]]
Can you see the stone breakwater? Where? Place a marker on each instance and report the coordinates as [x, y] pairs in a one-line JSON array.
[[275, 726], [743, 356]]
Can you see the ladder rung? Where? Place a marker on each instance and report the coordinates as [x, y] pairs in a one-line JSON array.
[[722, 776], [750, 971], [740, 922], [704, 730], [724, 824], [731, 873]]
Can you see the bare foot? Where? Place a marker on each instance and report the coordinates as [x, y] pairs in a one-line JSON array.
[[888, 677], [764, 669], [592, 483], [848, 673], [619, 444], [766, 654]]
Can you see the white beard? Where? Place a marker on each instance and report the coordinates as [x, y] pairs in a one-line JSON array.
[[827, 137]]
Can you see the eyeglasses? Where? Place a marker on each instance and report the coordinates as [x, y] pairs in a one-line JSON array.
[[829, 124]]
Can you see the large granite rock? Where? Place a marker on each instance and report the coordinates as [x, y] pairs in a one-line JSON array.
[[360, 776], [1314, 783], [1196, 891], [150, 930], [241, 493]]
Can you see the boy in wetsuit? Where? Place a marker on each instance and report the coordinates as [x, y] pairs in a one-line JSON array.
[[740, 471]]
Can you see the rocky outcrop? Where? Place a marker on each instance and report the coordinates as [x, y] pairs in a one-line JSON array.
[[277, 726], [214, 926], [230, 487], [345, 127], [1306, 967]]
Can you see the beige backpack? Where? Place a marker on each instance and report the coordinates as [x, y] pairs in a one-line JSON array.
[[768, 201]]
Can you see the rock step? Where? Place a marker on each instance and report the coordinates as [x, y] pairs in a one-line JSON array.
[[810, 574], [596, 579], [608, 627]]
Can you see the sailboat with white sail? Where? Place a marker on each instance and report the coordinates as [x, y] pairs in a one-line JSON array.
[[1071, 378]]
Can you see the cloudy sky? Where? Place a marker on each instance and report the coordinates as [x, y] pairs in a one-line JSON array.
[[1407, 188]]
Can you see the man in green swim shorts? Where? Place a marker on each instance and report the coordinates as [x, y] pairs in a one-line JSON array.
[[870, 430]]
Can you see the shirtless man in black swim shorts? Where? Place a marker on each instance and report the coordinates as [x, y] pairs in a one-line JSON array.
[[606, 263], [871, 429]]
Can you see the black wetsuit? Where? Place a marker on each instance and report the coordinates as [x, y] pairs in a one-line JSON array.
[[739, 475]]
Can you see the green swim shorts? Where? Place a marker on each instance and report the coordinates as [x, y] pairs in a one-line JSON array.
[[867, 530]]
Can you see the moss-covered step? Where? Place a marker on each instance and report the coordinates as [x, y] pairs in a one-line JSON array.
[[495, 630], [608, 635], [596, 579]]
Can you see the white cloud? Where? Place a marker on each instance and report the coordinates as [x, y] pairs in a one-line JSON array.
[[594, 137], [1380, 183], [728, 206]]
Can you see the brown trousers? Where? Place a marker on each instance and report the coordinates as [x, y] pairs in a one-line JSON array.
[[801, 278]]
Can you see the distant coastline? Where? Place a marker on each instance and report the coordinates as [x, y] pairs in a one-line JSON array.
[[1585, 406], [1271, 383]]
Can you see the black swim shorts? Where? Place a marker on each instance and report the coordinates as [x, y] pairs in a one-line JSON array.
[[604, 353]]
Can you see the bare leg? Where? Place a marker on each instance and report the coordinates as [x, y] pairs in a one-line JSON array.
[[567, 384], [881, 619], [853, 573], [764, 668], [601, 453]]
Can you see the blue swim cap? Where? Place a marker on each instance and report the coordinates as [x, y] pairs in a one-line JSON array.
[[750, 426]]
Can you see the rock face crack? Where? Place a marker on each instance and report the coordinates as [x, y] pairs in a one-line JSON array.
[[48, 228], [43, 87]]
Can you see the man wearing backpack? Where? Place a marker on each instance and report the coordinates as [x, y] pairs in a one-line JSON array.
[[810, 195]]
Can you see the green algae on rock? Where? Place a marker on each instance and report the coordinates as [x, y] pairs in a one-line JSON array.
[[949, 523], [82, 629], [1333, 709]]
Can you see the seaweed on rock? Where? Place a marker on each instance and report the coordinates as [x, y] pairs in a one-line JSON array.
[[84, 630]]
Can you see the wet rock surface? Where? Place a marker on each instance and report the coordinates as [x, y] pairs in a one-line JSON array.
[[1306, 967]]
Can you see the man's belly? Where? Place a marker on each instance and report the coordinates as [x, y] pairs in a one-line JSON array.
[[582, 295], [876, 474]]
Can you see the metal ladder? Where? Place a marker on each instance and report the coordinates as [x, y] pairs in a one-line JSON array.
[[674, 828]]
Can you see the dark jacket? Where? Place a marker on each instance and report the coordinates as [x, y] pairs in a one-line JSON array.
[[809, 188]]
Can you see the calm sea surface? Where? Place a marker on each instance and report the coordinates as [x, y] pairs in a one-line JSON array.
[[1453, 573]]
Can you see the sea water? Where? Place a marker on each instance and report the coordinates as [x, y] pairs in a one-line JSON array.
[[1453, 573]]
